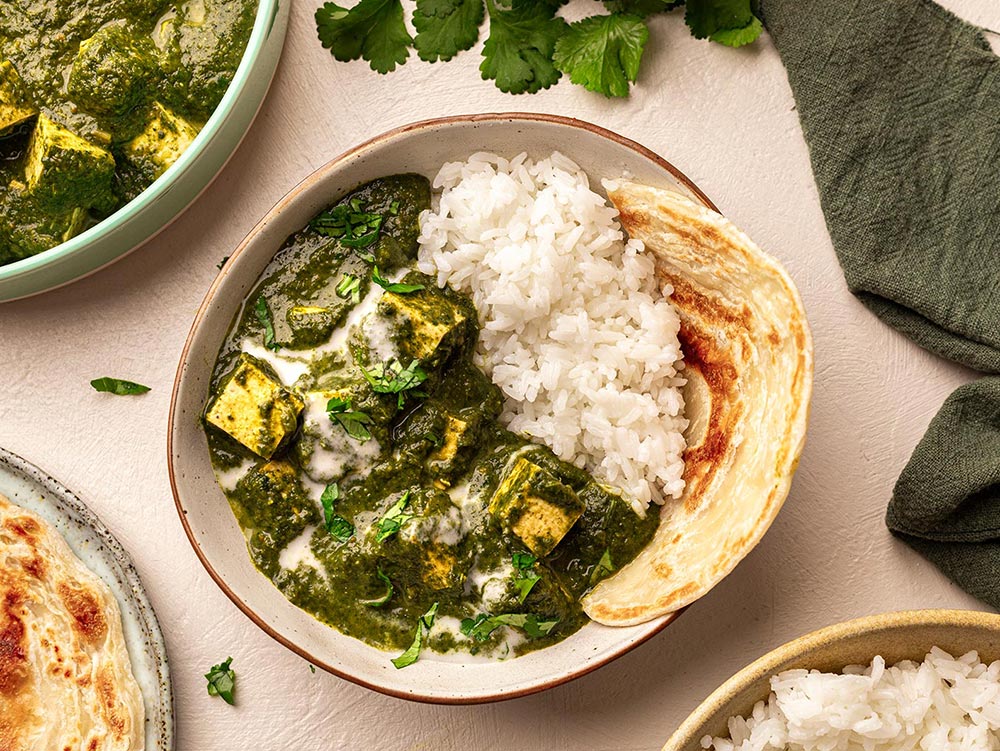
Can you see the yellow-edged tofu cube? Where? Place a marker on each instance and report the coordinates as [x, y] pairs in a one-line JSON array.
[[311, 325], [65, 172], [535, 505], [147, 156], [255, 409], [428, 324], [15, 107], [439, 572], [454, 429]]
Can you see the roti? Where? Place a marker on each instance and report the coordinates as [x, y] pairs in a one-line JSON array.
[[748, 362], [65, 677]]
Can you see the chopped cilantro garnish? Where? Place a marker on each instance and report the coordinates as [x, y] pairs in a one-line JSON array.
[[446, 27], [335, 524], [525, 578], [424, 625], [398, 288], [602, 53], [481, 627], [118, 386], [372, 29], [263, 313], [380, 601], [393, 378], [603, 568], [394, 518], [524, 560], [434, 438], [222, 680], [349, 287], [351, 226], [355, 423]]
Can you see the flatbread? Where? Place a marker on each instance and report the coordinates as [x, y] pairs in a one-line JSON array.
[[65, 677], [748, 360]]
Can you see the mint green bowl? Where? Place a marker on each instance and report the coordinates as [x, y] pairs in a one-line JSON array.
[[175, 189]]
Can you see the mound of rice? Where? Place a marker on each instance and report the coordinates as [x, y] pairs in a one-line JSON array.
[[575, 329], [940, 704]]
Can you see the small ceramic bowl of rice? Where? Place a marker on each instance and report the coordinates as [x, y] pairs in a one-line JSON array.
[[925, 680]]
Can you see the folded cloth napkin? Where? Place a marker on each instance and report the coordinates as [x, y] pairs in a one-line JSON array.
[[900, 106]]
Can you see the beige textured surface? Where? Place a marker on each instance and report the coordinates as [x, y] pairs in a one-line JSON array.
[[724, 117]]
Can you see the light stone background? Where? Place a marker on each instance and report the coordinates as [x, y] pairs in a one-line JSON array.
[[726, 118]]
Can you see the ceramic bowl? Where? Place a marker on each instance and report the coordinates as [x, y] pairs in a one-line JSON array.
[[204, 511], [900, 636], [175, 189]]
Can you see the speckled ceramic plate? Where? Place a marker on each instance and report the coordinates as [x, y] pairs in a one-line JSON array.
[[32, 489], [210, 525], [907, 635]]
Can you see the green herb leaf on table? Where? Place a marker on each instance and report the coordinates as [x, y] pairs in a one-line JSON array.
[[389, 589], [446, 27], [641, 7], [397, 287], [730, 22], [602, 53], [481, 627], [222, 680], [603, 568], [350, 225], [355, 423], [222, 263], [118, 386], [518, 52], [349, 288], [393, 378], [424, 626], [394, 518], [312, 668], [372, 29], [263, 313], [335, 524]]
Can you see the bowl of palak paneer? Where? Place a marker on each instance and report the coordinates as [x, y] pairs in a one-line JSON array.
[[113, 117]]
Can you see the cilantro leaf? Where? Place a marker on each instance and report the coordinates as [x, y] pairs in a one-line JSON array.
[[602, 53], [424, 625], [641, 7], [398, 288], [518, 52], [523, 561], [222, 680], [526, 578], [394, 518], [730, 22], [355, 423], [483, 626], [335, 524], [372, 29], [349, 287], [263, 313], [393, 378], [380, 601], [603, 568], [350, 225], [118, 386], [446, 27]]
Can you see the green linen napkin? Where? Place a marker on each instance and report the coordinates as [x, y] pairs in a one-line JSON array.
[[900, 106]]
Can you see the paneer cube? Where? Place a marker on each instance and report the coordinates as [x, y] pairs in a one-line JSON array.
[[112, 70], [65, 172], [311, 325], [149, 154], [440, 568], [534, 505], [454, 429], [255, 409], [427, 325], [15, 107]]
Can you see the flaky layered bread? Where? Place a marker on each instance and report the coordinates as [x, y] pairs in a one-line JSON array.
[[748, 361], [65, 677]]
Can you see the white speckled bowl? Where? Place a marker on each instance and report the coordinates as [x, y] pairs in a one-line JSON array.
[[175, 189], [907, 635], [208, 521]]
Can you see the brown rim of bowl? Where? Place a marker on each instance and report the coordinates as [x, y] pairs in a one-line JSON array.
[[628, 143], [769, 663]]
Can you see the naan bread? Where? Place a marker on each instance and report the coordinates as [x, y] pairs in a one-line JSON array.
[[65, 677], [748, 361]]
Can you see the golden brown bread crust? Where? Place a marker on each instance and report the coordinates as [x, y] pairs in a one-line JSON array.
[[61, 646], [748, 361]]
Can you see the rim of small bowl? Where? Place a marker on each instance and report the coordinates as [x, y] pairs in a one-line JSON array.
[[266, 12], [773, 661], [291, 197]]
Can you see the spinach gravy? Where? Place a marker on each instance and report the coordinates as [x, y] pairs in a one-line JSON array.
[[360, 449], [97, 99]]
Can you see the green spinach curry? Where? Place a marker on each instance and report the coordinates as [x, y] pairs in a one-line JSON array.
[[97, 99], [360, 449]]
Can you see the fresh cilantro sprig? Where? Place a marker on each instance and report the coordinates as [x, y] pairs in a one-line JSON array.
[[393, 378], [118, 386], [350, 225], [394, 518], [355, 423], [222, 681], [335, 524], [398, 287], [528, 45], [424, 626], [482, 626]]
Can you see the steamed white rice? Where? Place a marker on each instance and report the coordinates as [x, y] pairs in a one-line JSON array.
[[940, 704], [575, 329]]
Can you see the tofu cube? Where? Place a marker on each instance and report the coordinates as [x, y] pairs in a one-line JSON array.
[[65, 172], [311, 325], [255, 409], [149, 154], [427, 326], [439, 568], [534, 505], [112, 71], [454, 429], [15, 107]]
